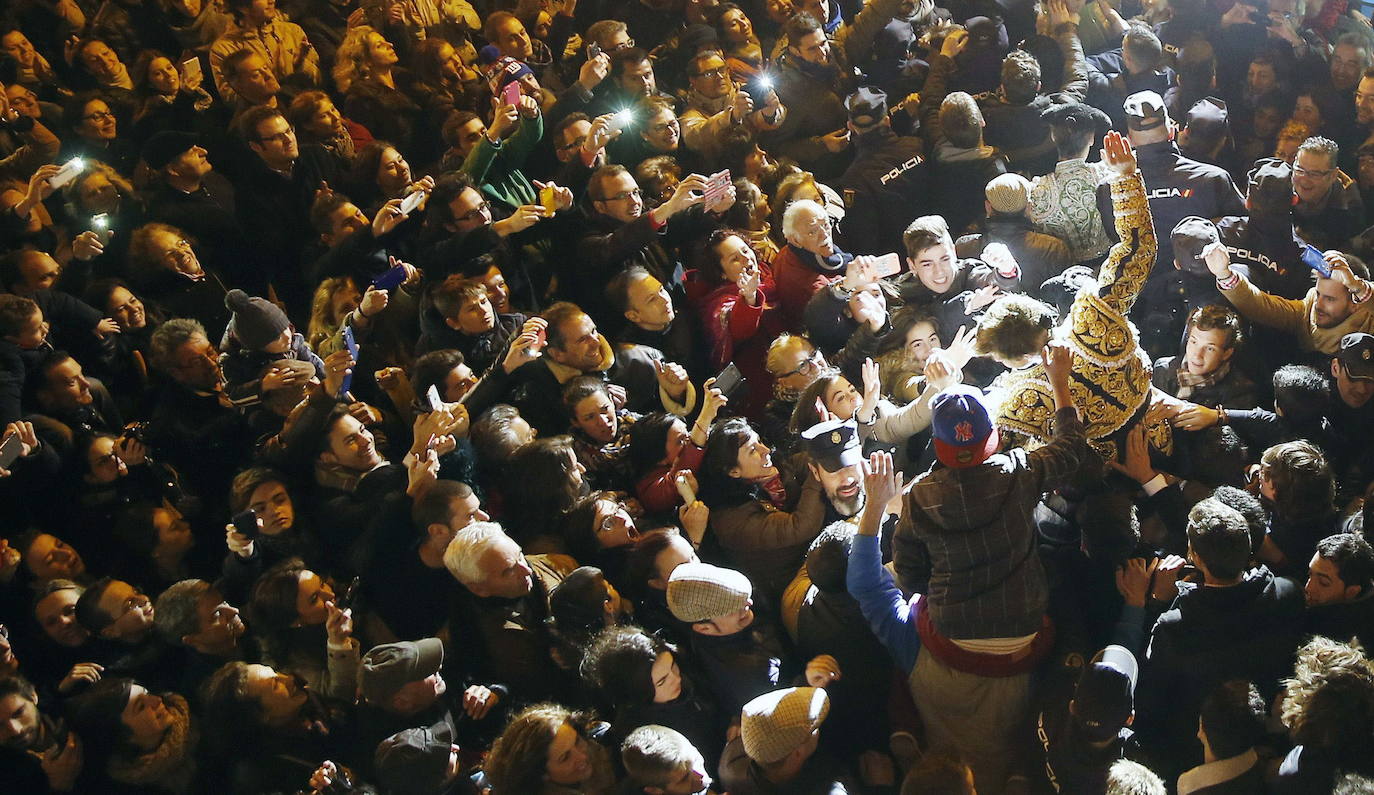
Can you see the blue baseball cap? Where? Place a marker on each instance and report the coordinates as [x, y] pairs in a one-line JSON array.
[[963, 431]]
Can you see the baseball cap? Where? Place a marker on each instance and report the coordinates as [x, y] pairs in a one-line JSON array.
[[413, 761], [389, 667], [701, 592], [1270, 184], [866, 107], [1190, 237], [1357, 355], [1145, 110], [774, 724], [834, 444], [1105, 697], [963, 431], [1008, 193], [1207, 122]]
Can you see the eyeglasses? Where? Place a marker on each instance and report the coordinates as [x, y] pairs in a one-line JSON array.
[[629, 194], [202, 360], [281, 137], [664, 127], [714, 74], [1307, 172], [811, 365], [575, 143], [624, 45], [477, 213], [100, 115]]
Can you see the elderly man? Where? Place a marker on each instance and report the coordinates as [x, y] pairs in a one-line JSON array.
[[499, 615], [810, 262], [1329, 211]]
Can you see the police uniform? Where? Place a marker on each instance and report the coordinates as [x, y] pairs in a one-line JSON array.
[[1176, 187], [887, 185]]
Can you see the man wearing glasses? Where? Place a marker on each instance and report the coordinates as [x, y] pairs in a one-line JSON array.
[[122, 616], [1329, 210], [715, 104], [272, 199]]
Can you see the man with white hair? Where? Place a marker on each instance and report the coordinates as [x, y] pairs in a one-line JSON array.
[[498, 621], [811, 260]]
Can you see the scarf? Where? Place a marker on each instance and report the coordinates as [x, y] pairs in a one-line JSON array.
[[171, 765], [341, 143], [1189, 383], [828, 266], [824, 73], [707, 105]]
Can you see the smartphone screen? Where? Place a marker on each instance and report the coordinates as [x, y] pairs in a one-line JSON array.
[[510, 95], [246, 523], [9, 450], [190, 69]]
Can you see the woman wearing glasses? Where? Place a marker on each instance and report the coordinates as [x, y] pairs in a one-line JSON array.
[[93, 124]]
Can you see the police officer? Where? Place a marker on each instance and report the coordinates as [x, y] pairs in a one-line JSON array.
[[887, 184], [1176, 186], [836, 458], [1266, 241]]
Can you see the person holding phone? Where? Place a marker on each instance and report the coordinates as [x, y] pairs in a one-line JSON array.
[[294, 612]]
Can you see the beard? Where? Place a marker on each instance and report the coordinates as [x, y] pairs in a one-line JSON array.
[[847, 507]]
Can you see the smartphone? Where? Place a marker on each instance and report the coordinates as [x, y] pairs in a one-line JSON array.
[[684, 488], [730, 380], [100, 224], [345, 601], [432, 399], [548, 197], [510, 95], [758, 89], [717, 185], [10, 449], [246, 523], [352, 345], [888, 265], [593, 51], [1313, 259], [411, 201], [622, 119], [67, 172], [190, 70], [391, 279]]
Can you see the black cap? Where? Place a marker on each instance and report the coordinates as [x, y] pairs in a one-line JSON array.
[[1145, 110], [413, 761], [1357, 355], [1207, 122], [1190, 237], [166, 146], [1075, 117], [1271, 185], [1105, 697], [834, 444], [866, 107]]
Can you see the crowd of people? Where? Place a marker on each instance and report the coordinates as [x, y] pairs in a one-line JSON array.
[[539, 397]]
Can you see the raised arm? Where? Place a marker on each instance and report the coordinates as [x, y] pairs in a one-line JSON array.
[[1129, 261]]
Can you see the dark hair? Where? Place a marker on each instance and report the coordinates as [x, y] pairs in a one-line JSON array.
[[799, 25], [16, 685], [491, 434], [435, 505], [618, 289], [454, 291], [1304, 487], [549, 491], [903, 321], [618, 663], [272, 604], [448, 131], [649, 441], [446, 188], [566, 122], [1216, 317], [1352, 556], [1233, 716], [626, 58], [1110, 527], [365, 165], [229, 67], [15, 311], [641, 561], [432, 368], [579, 389], [557, 314], [737, 143], [253, 118], [1248, 506], [804, 413], [600, 175], [323, 208], [708, 261], [827, 559], [1301, 394], [716, 487], [88, 612], [1219, 537], [1020, 77]]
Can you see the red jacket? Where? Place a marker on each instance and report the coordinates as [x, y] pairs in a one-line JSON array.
[[797, 281]]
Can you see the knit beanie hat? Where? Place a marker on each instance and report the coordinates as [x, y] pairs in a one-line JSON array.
[[256, 321], [1008, 193]]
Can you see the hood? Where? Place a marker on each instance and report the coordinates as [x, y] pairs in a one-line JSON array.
[[1260, 599], [949, 153]]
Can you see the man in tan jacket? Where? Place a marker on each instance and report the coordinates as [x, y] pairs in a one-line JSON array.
[[1338, 305]]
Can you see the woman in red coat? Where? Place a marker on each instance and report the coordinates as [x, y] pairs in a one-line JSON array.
[[733, 294]]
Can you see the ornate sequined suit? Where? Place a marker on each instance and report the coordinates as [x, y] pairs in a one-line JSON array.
[[1111, 374]]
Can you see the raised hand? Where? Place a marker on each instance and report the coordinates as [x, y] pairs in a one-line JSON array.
[[1118, 154]]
